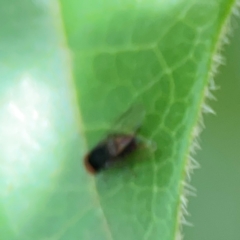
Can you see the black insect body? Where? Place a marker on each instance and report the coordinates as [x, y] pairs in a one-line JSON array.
[[117, 145], [115, 148]]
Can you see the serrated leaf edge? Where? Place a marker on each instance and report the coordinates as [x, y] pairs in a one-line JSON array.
[[191, 164]]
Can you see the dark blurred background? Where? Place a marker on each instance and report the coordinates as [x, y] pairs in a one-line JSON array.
[[215, 212]]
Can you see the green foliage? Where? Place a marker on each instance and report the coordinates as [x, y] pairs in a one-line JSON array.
[[53, 110]]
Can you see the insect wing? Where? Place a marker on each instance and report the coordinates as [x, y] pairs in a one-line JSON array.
[[130, 121], [117, 143]]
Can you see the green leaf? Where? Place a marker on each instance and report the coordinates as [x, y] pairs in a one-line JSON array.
[[65, 77], [218, 177]]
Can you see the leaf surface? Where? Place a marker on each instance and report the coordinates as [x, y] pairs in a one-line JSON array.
[[66, 75]]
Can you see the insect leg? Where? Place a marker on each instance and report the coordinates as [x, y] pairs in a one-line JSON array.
[[152, 145]]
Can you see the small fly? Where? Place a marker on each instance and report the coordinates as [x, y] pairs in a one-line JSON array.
[[117, 145]]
